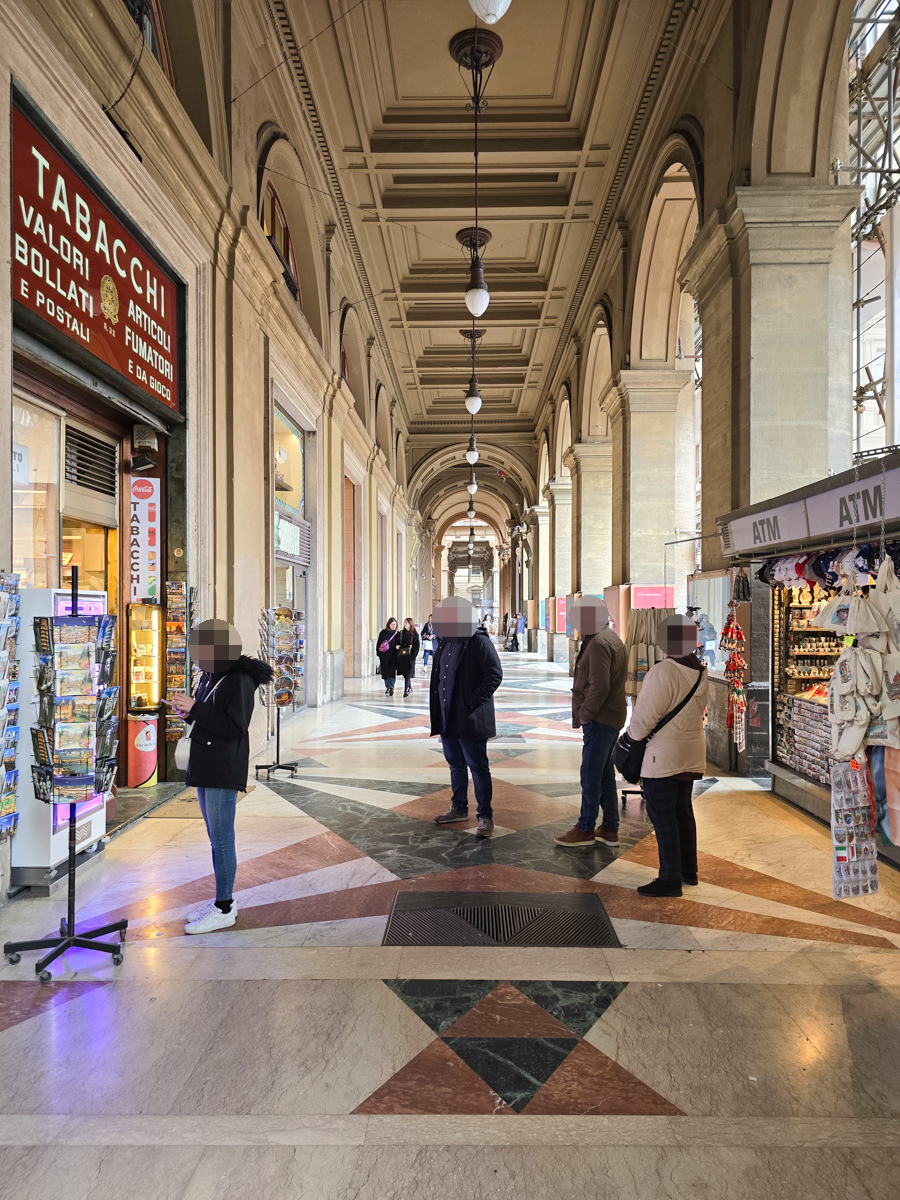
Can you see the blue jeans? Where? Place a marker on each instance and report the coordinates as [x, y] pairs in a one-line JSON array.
[[389, 681], [425, 657], [464, 755], [598, 777], [218, 807]]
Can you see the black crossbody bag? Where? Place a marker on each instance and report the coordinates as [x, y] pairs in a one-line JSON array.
[[630, 754]]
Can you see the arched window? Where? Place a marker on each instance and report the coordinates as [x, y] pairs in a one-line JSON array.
[[147, 17], [345, 364], [275, 227]]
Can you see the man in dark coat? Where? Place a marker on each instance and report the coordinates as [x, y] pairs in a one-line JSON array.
[[464, 676]]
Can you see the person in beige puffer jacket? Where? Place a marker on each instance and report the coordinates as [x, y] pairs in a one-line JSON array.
[[676, 756]]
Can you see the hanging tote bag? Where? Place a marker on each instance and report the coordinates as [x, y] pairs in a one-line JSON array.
[[630, 753], [183, 745]]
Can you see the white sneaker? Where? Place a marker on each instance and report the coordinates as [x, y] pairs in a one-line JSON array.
[[214, 919], [200, 912]]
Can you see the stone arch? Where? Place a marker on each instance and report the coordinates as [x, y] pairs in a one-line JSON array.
[[400, 459], [543, 465], [563, 435], [597, 383], [353, 362], [796, 52], [383, 422], [278, 164], [668, 232]]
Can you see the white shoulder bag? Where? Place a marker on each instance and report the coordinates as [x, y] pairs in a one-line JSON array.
[[183, 745]]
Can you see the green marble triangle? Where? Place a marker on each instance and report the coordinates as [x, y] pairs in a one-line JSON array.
[[441, 1002], [578, 1005]]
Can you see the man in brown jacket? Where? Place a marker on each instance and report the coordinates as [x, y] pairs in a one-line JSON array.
[[598, 707]]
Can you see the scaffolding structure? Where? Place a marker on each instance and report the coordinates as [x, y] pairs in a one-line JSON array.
[[875, 165]]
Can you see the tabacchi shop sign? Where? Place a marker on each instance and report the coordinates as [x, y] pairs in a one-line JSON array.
[[77, 267]]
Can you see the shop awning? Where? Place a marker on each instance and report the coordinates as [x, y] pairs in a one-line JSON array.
[[839, 510]]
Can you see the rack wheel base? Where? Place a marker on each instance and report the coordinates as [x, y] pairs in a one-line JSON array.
[[45, 977], [13, 958], [118, 959]]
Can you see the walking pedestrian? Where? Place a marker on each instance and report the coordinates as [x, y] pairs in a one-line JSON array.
[[675, 757], [465, 675], [219, 719], [386, 648], [407, 653], [427, 640], [598, 709]]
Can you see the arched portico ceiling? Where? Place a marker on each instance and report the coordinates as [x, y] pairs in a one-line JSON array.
[[447, 466], [453, 508]]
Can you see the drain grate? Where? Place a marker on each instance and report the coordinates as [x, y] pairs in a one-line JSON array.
[[498, 919]]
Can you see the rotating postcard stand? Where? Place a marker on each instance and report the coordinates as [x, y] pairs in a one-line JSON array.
[[278, 641], [68, 937]]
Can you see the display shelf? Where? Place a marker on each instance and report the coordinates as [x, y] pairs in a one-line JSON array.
[[144, 656]]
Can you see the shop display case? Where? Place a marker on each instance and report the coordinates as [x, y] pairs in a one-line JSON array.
[[803, 658], [145, 666]]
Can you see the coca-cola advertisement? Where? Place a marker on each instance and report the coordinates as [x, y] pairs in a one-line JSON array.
[[143, 554]]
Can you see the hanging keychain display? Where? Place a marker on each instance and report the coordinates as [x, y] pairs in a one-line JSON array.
[[733, 641]]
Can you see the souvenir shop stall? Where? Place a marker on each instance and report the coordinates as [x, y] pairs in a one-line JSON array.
[[828, 559]]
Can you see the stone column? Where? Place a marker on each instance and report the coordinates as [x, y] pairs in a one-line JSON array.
[[558, 494], [771, 275], [659, 494], [537, 639], [591, 467], [769, 272]]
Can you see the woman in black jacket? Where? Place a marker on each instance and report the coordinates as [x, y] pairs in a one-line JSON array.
[[219, 716], [386, 645], [407, 653]]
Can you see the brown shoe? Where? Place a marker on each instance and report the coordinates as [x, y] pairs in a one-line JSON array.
[[609, 837], [576, 839], [452, 814]]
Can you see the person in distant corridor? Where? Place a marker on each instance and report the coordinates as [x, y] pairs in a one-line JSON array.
[[676, 756], [407, 653], [464, 677], [427, 640], [386, 645], [598, 709], [219, 718]]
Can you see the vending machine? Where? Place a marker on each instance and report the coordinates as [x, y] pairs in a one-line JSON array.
[[146, 680], [68, 744]]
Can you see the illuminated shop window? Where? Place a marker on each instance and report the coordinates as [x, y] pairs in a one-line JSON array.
[[35, 495], [288, 454]]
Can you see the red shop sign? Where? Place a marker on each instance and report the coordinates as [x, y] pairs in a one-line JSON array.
[[78, 268]]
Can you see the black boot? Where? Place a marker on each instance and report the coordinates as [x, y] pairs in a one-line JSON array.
[[661, 887]]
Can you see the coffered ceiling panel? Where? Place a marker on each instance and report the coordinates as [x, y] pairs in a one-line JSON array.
[[392, 107]]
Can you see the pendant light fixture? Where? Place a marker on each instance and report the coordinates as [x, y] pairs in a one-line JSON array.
[[476, 51], [490, 11]]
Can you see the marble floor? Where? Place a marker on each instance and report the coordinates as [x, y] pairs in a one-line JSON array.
[[744, 1041]]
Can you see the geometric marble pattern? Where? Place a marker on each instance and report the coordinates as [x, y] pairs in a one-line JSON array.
[[511, 1038]]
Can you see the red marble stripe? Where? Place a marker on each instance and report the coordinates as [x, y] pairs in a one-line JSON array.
[[324, 849], [20, 1000], [736, 878], [376, 899], [436, 1081]]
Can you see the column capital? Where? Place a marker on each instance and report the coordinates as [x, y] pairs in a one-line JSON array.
[[769, 225], [558, 491], [584, 457], [652, 391]]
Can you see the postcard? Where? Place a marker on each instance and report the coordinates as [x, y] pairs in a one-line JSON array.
[[74, 683]]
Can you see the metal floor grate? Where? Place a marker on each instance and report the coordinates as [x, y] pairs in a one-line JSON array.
[[498, 919]]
